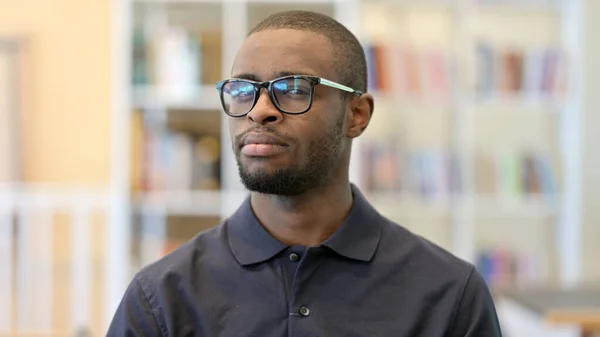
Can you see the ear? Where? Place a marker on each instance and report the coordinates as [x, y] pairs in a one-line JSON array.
[[361, 111]]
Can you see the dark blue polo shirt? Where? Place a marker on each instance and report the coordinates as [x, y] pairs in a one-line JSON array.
[[371, 278]]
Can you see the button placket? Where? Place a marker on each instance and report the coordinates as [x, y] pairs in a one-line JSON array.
[[306, 262]]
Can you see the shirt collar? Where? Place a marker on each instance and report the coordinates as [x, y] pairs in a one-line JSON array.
[[357, 238], [359, 235], [249, 240]]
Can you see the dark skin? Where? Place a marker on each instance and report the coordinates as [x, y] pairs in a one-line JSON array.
[[312, 217]]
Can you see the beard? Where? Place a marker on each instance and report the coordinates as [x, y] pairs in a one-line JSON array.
[[315, 170]]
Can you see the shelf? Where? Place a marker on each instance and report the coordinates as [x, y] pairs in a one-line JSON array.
[[516, 206], [512, 6], [448, 4], [199, 203], [203, 97], [516, 102], [481, 204], [418, 102], [188, 203], [408, 201]]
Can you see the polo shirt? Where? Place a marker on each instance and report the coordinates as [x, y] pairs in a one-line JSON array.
[[372, 277]]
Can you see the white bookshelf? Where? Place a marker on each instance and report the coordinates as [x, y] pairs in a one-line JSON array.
[[459, 221], [498, 125]]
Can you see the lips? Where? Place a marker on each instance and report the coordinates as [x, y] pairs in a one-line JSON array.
[[262, 145], [262, 138]]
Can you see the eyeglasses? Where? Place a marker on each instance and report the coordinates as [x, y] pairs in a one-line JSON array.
[[290, 94]]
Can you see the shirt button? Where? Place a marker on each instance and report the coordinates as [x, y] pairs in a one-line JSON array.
[[304, 311], [294, 257]]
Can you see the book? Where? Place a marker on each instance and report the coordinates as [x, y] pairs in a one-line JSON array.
[[532, 73], [175, 60], [405, 71], [432, 173], [515, 174], [166, 159], [503, 268]]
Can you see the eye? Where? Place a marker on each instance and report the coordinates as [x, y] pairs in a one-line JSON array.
[[239, 90], [294, 87], [241, 93], [297, 91]]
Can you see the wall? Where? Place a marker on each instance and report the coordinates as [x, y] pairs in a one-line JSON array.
[[5, 114], [66, 135], [66, 127], [591, 145]]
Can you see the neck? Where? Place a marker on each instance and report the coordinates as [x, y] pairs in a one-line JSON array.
[[308, 219]]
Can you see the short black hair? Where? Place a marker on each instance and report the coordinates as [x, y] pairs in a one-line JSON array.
[[351, 65]]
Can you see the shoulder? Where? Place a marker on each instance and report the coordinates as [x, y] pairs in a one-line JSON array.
[[432, 270], [206, 247], [424, 258], [146, 306]]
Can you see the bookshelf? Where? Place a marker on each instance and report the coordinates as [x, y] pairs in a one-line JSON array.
[[470, 144], [175, 123], [474, 136]]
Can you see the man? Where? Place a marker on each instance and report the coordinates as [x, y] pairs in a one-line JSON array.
[[306, 254]]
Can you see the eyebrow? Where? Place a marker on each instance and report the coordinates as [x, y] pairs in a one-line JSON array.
[[247, 76], [254, 77]]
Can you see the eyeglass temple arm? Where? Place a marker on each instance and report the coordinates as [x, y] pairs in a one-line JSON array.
[[338, 86]]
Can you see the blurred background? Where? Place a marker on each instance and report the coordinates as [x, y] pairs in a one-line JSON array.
[[114, 149]]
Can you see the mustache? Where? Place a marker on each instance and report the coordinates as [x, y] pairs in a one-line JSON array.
[[264, 130]]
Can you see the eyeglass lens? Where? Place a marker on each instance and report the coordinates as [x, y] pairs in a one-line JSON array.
[[292, 95]]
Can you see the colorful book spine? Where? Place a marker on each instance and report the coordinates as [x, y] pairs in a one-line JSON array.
[[430, 173], [516, 175], [534, 73], [502, 268], [170, 160], [406, 71]]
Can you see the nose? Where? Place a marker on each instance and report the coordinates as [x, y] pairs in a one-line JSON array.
[[265, 112]]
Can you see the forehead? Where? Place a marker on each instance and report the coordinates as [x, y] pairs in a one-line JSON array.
[[268, 53]]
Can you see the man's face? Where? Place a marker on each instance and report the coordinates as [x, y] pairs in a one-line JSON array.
[[310, 145]]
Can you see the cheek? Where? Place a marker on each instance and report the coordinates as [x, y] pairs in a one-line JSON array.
[[315, 137], [235, 127], [234, 124], [305, 128], [231, 129]]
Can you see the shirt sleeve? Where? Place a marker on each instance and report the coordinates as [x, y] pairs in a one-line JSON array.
[[476, 313], [134, 316]]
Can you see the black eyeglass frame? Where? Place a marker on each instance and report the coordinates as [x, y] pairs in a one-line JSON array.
[[313, 80]]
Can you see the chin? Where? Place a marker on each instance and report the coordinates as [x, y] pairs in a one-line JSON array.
[[264, 164], [262, 171], [273, 180]]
